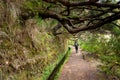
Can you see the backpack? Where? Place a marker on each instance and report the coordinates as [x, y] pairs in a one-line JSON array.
[[76, 44]]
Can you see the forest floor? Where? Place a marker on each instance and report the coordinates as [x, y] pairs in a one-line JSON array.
[[78, 68]]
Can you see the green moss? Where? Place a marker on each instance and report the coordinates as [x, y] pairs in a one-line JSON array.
[[66, 57], [49, 69], [29, 52]]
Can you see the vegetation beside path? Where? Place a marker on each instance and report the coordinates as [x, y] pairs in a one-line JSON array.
[[79, 69], [56, 72]]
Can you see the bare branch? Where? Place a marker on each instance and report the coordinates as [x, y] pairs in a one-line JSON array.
[[56, 28], [71, 4], [69, 22], [97, 25], [116, 24], [79, 3]]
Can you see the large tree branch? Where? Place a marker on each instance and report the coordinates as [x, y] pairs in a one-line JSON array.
[[78, 3], [97, 25], [56, 28], [26, 14], [67, 22]]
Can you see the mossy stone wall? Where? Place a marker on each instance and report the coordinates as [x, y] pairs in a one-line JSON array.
[[26, 50]]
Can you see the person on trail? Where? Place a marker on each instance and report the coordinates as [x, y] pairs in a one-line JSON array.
[[76, 46]]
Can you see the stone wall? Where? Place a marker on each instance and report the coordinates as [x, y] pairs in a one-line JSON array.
[[26, 50]]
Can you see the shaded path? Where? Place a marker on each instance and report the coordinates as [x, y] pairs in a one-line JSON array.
[[78, 69]]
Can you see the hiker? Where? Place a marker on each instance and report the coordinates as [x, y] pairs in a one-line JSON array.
[[76, 46]]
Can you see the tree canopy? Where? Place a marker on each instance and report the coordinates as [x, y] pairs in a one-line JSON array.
[[74, 15]]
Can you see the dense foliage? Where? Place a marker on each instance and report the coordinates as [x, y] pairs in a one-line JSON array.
[[104, 46]]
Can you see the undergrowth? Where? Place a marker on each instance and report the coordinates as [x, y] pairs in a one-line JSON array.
[[106, 48]]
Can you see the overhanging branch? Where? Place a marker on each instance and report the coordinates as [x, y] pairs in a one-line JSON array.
[[97, 25], [69, 22], [56, 28], [78, 3]]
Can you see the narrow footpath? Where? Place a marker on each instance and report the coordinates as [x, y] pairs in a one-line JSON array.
[[79, 69]]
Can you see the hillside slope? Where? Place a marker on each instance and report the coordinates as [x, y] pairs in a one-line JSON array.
[[28, 47]]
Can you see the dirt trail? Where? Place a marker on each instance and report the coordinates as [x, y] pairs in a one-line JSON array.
[[79, 69]]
